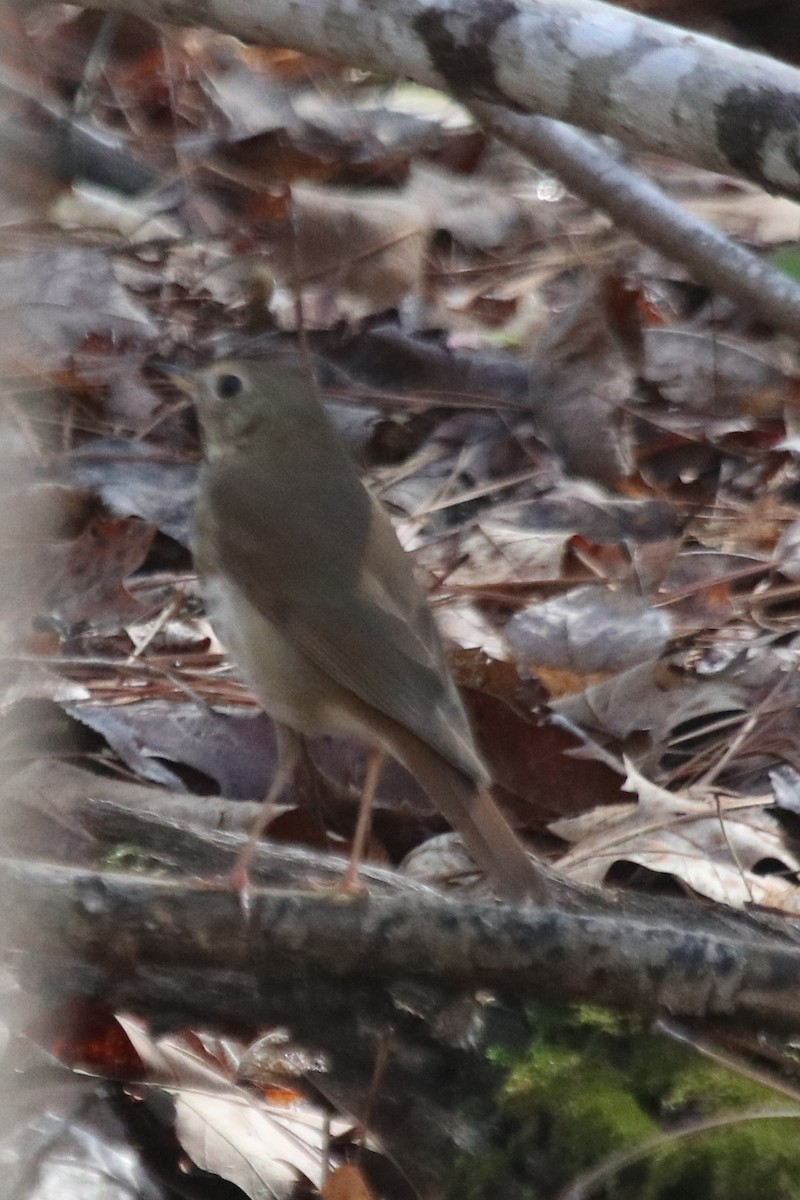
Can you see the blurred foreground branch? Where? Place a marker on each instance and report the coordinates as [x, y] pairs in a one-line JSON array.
[[138, 940]]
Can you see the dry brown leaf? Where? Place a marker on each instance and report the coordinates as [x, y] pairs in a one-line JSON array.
[[709, 839], [226, 1129], [52, 300], [133, 480], [752, 215], [584, 378], [706, 373], [367, 249], [81, 579], [463, 623], [347, 1183], [498, 552], [479, 214], [588, 631], [443, 860], [650, 697], [577, 506]]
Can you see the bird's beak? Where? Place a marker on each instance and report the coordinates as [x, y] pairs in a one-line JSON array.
[[182, 377]]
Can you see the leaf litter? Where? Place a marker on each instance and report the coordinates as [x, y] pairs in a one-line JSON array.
[[623, 516], [593, 462]]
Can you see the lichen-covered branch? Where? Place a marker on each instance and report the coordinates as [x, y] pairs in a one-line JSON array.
[[655, 86], [129, 929]]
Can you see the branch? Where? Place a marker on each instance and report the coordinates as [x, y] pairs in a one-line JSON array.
[[140, 936], [640, 206], [654, 86]]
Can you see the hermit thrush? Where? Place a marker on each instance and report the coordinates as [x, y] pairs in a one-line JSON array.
[[309, 589]]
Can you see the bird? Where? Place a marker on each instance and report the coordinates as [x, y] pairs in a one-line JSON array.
[[307, 587]]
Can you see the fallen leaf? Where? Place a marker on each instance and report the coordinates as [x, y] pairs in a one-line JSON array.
[[588, 631], [53, 299], [707, 838], [347, 1183], [707, 373]]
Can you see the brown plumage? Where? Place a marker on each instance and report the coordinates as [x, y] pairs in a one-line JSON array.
[[310, 590]]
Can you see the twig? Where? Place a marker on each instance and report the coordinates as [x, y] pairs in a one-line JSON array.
[[640, 206]]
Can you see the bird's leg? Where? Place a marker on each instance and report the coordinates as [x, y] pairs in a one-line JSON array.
[[374, 765], [290, 746]]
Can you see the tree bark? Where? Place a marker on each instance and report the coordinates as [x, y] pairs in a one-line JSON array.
[[124, 936], [654, 86]]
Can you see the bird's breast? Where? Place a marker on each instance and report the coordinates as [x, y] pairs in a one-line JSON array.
[[290, 687]]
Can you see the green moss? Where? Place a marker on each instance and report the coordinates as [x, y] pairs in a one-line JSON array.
[[594, 1117], [583, 1106], [592, 1016], [750, 1159], [592, 1083], [787, 259], [701, 1087], [488, 1176], [131, 860]]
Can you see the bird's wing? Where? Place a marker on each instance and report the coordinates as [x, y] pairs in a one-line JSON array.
[[339, 589]]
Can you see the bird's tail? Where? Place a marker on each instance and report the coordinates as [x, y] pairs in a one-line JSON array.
[[468, 806]]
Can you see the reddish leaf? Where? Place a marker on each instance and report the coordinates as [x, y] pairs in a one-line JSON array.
[[83, 1033]]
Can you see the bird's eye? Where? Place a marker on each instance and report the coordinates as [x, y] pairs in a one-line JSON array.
[[229, 386]]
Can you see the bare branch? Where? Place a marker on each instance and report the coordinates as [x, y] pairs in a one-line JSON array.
[[654, 86], [638, 205], [128, 929]]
